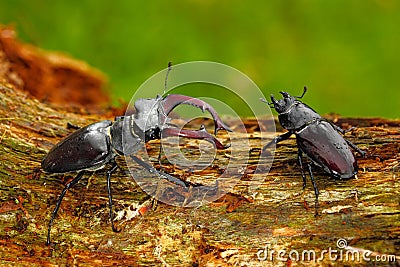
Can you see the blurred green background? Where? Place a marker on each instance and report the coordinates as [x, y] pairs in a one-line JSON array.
[[345, 51]]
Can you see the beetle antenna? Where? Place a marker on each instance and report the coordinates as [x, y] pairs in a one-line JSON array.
[[304, 92], [166, 76], [270, 104]]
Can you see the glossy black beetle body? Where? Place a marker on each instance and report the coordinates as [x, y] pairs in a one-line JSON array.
[[88, 148], [96, 145], [316, 137]]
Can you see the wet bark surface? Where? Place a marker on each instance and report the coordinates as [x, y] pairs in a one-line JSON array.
[[277, 214]]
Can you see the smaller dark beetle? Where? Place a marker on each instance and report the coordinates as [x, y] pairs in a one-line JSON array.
[[93, 147], [318, 138]]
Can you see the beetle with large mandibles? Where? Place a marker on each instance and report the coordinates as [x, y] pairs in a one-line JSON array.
[[316, 137], [93, 147]]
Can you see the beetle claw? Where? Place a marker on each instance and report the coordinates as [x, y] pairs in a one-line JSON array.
[[196, 134], [172, 101]]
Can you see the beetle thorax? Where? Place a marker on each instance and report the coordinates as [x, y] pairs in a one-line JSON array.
[[147, 116], [297, 116]]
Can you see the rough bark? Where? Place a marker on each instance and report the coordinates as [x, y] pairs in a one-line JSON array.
[[276, 215]]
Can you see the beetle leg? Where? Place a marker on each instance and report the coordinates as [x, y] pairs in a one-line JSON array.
[[340, 130], [300, 159], [72, 126], [59, 200], [159, 156], [362, 152], [163, 175], [276, 140], [356, 148], [315, 188], [197, 134], [172, 101], [109, 172], [348, 130]]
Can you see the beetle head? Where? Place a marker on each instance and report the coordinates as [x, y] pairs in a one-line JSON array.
[[284, 104], [288, 101], [147, 115]]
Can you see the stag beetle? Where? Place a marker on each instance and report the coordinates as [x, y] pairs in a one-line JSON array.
[[318, 138], [93, 147]]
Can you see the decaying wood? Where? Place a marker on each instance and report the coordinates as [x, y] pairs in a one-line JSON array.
[[49, 76], [277, 215]]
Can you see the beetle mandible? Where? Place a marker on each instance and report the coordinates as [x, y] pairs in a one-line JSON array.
[[319, 139], [94, 146]]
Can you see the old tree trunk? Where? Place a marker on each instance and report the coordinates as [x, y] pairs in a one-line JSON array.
[[277, 215]]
